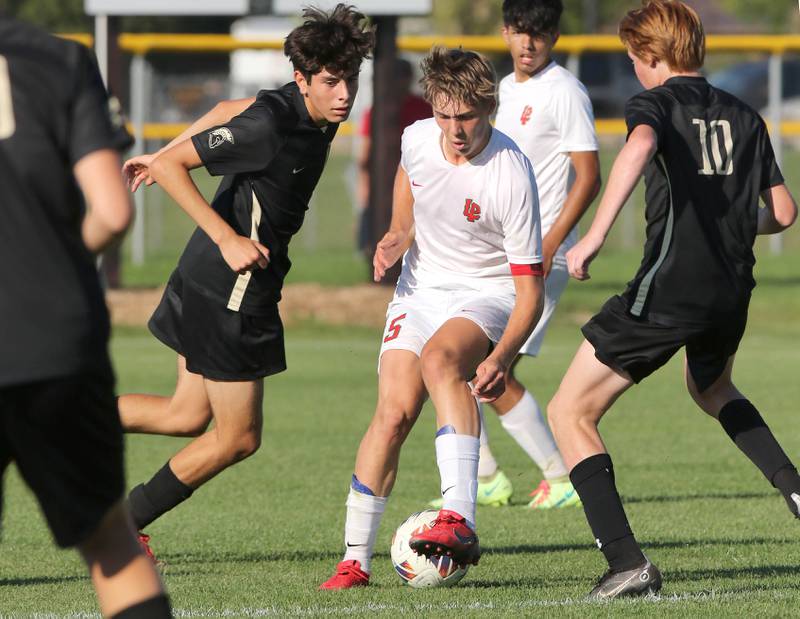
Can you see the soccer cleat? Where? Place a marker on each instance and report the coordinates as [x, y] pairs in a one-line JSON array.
[[642, 580], [348, 575], [494, 493], [548, 495], [144, 543], [794, 504], [449, 535]]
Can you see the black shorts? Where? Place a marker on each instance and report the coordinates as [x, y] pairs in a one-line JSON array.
[[639, 347], [65, 436], [216, 342]]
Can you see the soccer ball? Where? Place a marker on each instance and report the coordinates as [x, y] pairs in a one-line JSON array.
[[416, 570]]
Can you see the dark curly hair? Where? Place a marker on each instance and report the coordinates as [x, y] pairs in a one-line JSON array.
[[533, 17], [337, 41]]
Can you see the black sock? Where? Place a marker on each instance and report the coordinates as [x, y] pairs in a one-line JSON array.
[[593, 479], [746, 427], [159, 495], [154, 608]]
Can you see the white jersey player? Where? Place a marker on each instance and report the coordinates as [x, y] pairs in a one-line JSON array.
[[547, 111], [466, 209]]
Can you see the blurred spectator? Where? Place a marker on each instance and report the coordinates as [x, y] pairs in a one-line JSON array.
[[412, 109]]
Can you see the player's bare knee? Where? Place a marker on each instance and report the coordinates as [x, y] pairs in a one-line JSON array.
[[438, 364], [394, 420], [241, 447]]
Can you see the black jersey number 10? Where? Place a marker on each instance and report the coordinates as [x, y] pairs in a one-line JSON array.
[[7, 123], [723, 162]]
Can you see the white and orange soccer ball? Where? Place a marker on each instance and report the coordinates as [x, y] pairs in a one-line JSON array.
[[416, 570]]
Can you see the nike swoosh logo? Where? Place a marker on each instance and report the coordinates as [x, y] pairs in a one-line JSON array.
[[349, 545], [565, 498], [494, 486], [296, 170], [447, 490], [470, 539], [416, 184]]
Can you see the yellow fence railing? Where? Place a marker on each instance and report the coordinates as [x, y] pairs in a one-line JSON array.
[[568, 44], [142, 44]]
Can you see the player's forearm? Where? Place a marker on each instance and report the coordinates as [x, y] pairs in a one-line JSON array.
[[402, 205], [584, 190], [779, 212], [625, 174], [221, 113], [526, 313], [108, 207], [98, 234], [174, 178]]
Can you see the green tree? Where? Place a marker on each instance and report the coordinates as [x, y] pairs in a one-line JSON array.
[[486, 16], [69, 16], [774, 15], [53, 15]]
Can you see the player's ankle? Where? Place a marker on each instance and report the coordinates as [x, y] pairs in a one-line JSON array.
[[623, 554]]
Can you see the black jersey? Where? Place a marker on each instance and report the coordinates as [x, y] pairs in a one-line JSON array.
[[272, 156], [713, 159], [54, 110]]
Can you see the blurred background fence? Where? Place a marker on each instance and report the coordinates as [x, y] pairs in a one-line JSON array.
[[175, 78]]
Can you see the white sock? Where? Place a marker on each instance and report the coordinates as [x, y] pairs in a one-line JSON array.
[[457, 457], [364, 514], [487, 465], [527, 426]]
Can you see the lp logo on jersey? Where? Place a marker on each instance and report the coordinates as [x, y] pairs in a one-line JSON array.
[[218, 136], [472, 210], [526, 115]]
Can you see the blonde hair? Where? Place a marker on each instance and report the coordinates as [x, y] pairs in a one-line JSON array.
[[457, 75], [665, 30]]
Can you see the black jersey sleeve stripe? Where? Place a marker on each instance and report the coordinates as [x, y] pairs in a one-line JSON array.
[[666, 242]]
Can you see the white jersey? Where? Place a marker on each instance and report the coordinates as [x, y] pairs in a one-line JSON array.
[[549, 116], [472, 221]]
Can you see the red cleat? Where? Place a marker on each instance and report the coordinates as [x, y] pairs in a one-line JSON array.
[[348, 575], [144, 542], [449, 536]]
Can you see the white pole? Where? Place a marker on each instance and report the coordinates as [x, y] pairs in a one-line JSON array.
[[574, 64], [101, 45], [775, 94], [138, 100]]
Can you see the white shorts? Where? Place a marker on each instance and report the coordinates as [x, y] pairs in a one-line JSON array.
[[554, 287], [414, 316]]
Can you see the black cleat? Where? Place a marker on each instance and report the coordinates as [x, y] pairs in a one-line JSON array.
[[642, 580]]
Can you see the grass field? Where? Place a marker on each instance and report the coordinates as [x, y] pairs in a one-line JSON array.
[[258, 540]]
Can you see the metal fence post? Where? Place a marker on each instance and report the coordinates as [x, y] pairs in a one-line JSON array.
[[139, 97], [574, 64], [775, 88]]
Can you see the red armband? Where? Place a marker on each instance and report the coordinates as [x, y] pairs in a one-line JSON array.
[[535, 270]]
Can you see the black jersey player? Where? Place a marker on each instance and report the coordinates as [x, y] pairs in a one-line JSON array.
[[63, 202], [707, 160], [219, 311]]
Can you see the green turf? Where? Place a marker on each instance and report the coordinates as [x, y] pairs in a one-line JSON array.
[[258, 540]]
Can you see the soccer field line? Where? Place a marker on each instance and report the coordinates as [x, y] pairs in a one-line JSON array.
[[428, 607], [378, 607]]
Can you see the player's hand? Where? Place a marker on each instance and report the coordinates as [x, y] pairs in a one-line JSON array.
[[243, 254], [136, 171], [490, 380], [581, 255], [387, 252]]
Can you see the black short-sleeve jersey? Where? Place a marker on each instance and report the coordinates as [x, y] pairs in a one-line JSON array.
[[713, 159], [54, 110], [272, 156]]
